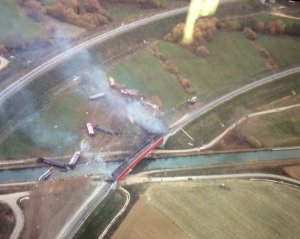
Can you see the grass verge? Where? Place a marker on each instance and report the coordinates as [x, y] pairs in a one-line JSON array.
[[275, 130], [102, 215], [144, 72], [208, 126]]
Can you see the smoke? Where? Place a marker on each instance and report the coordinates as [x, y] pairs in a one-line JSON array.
[[46, 132], [46, 135], [141, 116], [198, 8], [85, 146]]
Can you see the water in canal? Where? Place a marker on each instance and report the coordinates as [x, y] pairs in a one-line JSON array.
[[21, 175]]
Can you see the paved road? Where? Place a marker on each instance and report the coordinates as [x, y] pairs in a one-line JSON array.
[[135, 180], [73, 225], [231, 127], [186, 119], [11, 199], [26, 79]]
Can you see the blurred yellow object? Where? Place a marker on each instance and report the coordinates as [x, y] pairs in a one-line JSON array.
[[198, 8]]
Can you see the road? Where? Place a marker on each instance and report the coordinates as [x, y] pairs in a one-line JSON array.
[[231, 127], [118, 215], [186, 119], [11, 199], [136, 179], [74, 223], [46, 66]]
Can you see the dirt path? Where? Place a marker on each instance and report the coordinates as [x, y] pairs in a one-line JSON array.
[[239, 121], [279, 14], [11, 199], [118, 215], [3, 63]]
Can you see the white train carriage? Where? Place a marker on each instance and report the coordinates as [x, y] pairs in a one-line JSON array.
[[90, 129]]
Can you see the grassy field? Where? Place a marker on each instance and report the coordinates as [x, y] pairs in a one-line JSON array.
[[275, 130], [102, 216], [203, 209], [208, 126], [55, 130], [232, 61], [15, 20], [267, 18], [121, 11], [284, 49], [144, 72]]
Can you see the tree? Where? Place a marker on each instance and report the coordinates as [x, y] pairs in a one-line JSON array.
[[249, 33], [34, 9], [271, 27], [177, 32], [280, 27], [260, 27], [185, 83], [2, 49]]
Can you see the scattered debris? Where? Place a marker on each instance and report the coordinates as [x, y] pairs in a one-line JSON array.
[[97, 96], [105, 130], [192, 100]]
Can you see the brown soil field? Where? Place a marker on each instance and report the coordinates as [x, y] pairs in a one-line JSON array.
[[204, 209], [293, 171], [51, 204], [146, 221]]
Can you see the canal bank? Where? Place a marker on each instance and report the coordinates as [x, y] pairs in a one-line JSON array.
[[182, 162]]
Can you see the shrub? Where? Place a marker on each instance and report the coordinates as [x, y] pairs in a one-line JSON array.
[[3, 49], [202, 51], [264, 53], [249, 34], [271, 27], [185, 83], [169, 37], [229, 24], [177, 32], [248, 21], [170, 67], [280, 27], [260, 27], [253, 142]]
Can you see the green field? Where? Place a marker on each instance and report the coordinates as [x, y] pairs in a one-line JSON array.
[[144, 72], [232, 61], [14, 20], [275, 130], [102, 216], [208, 126], [243, 209], [284, 49], [267, 18], [54, 131], [121, 11]]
